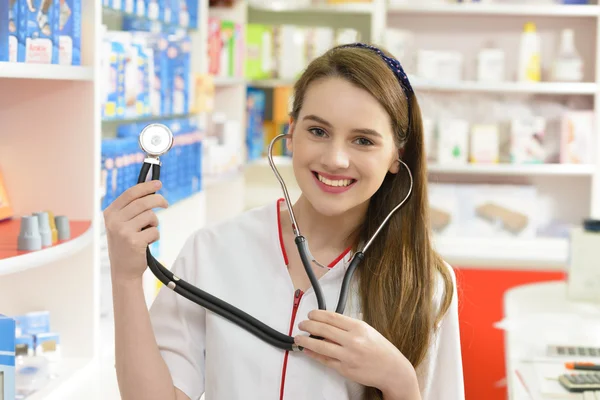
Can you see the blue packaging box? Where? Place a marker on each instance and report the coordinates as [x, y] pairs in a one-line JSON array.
[[179, 77], [69, 25], [114, 107], [255, 111], [7, 357], [192, 10], [32, 323], [38, 33], [9, 23], [4, 30]]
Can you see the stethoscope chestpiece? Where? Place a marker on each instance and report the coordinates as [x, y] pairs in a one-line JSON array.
[[155, 140]]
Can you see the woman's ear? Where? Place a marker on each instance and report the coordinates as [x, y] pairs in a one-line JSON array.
[[288, 141], [395, 167]]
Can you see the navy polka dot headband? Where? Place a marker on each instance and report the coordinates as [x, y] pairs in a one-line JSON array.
[[392, 63], [398, 71]]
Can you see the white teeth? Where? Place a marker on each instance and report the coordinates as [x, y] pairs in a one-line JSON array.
[[329, 182]]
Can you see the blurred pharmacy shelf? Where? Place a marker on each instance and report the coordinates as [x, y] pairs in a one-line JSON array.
[[578, 88], [475, 169], [540, 253], [270, 83], [514, 169], [43, 71], [220, 81], [559, 11]]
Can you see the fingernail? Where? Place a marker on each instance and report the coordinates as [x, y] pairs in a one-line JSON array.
[[157, 184]]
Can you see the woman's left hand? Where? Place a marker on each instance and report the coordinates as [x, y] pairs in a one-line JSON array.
[[358, 352]]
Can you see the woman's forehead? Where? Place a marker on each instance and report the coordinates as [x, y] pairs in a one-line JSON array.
[[342, 103]]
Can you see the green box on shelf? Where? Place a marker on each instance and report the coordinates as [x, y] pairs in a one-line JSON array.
[[259, 50]]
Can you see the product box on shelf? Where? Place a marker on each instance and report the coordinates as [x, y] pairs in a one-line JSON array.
[[47, 344], [204, 94], [255, 111], [7, 358], [144, 70], [227, 50], [289, 61], [527, 137], [259, 52], [69, 32], [33, 323], [444, 209], [453, 141], [192, 11], [38, 32], [215, 45], [494, 211], [114, 73], [484, 210], [484, 144], [179, 77], [5, 12], [577, 137]]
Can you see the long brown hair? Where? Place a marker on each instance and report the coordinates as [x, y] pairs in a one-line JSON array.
[[397, 279]]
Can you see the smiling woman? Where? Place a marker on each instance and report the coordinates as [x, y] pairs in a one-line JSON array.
[[356, 139]]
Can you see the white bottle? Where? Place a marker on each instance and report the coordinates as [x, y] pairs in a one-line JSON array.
[[568, 65], [530, 69]]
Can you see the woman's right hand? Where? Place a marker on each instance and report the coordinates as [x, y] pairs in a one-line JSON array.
[[125, 220]]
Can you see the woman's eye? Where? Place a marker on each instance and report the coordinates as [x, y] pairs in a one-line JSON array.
[[364, 142], [318, 132]]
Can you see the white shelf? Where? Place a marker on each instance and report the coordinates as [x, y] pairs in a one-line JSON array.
[[283, 161], [577, 88], [539, 254], [498, 10], [270, 83], [45, 71], [69, 372], [42, 257], [347, 8], [228, 81], [514, 169]]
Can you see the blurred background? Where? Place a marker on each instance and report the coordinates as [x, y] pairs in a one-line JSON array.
[[508, 91]]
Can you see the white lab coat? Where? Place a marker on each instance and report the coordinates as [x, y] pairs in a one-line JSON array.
[[242, 261]]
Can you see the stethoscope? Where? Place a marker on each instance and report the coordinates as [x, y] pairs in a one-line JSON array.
[[156, 140]]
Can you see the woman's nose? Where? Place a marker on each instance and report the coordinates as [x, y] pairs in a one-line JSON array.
[[336, 157]]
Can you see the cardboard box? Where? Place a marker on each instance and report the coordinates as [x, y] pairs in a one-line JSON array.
[[7, 358]]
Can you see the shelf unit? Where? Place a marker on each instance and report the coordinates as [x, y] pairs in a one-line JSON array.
[[49, 157]]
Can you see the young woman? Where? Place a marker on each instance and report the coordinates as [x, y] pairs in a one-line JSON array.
[[354, 118]]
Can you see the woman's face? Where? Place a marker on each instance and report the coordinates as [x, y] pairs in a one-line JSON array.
[[342, 145]]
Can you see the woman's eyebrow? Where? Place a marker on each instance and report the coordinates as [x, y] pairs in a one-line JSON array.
[[363, 131], [320, 120]]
